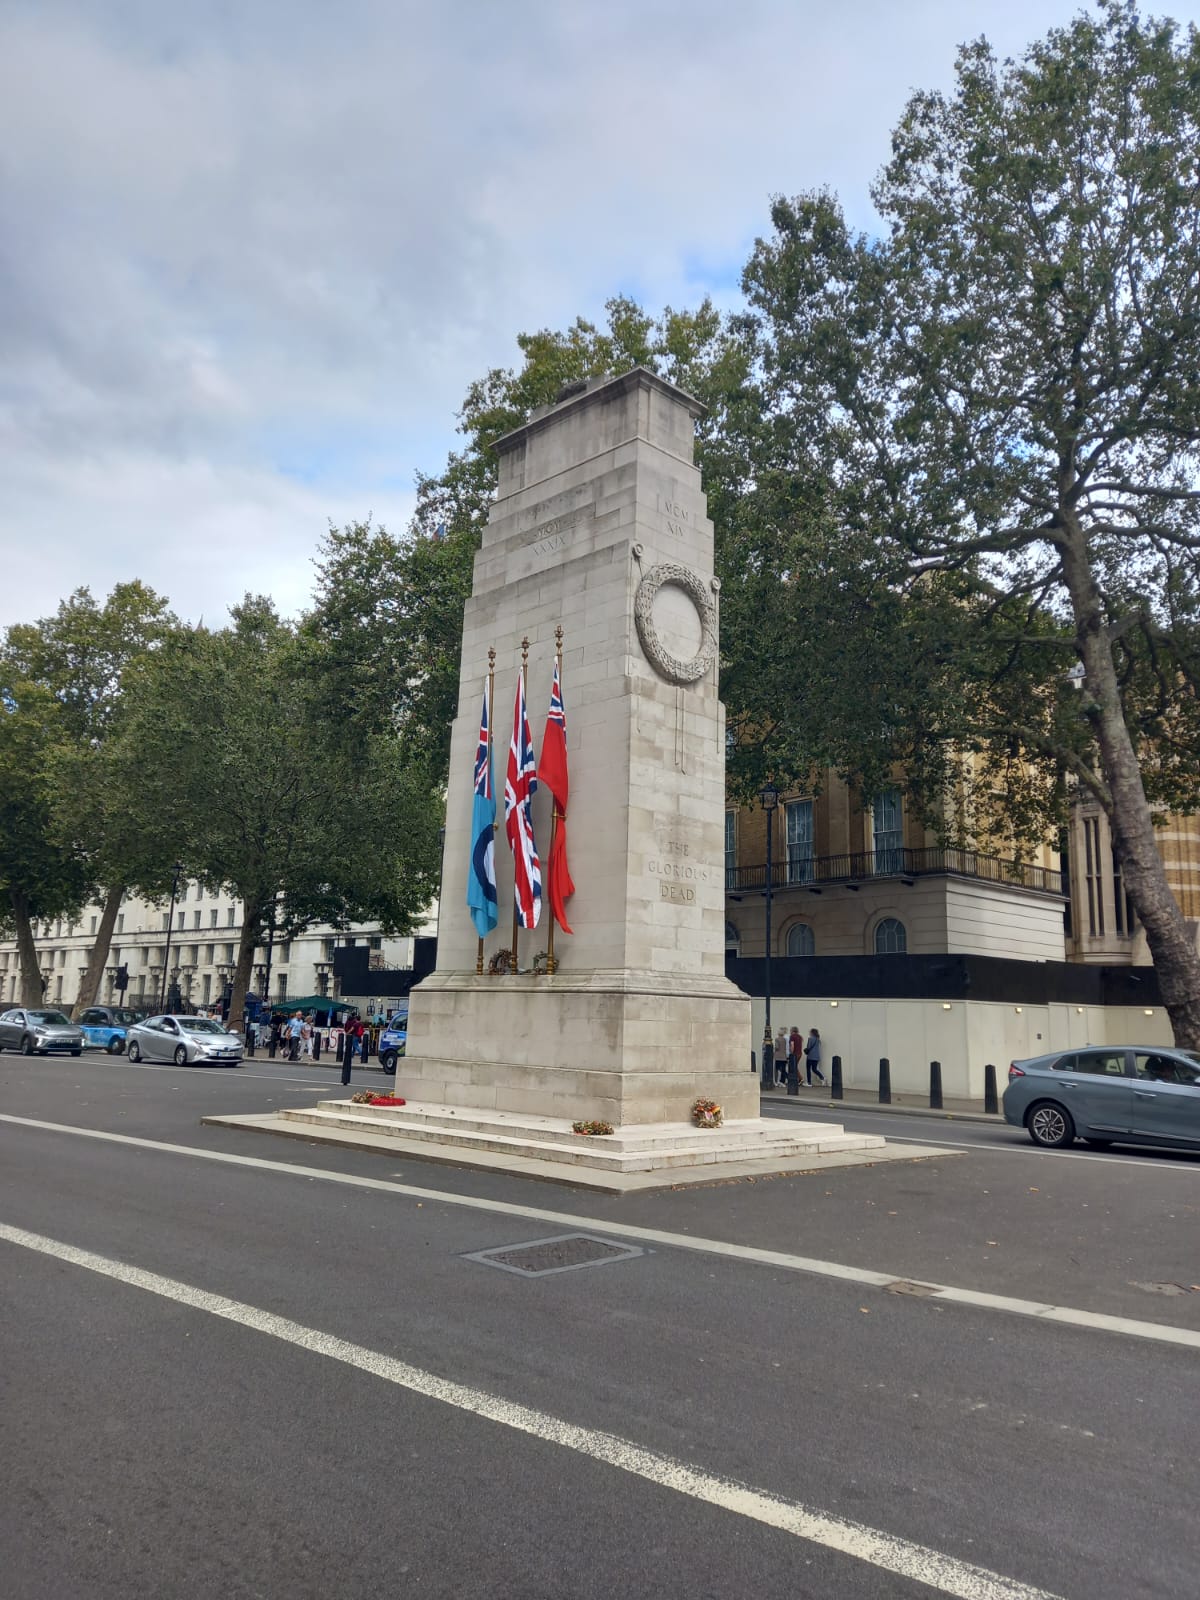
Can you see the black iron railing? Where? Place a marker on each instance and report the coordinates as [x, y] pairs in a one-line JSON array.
[[801, 872]]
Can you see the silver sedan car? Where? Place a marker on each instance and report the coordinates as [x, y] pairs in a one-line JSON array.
[[1115, 1094], [35, 1032], [186, 1041]]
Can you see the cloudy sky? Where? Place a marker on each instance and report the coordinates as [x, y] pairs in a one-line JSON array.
[[252, 252]]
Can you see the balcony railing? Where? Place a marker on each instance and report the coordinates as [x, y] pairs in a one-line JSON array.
[[799, 872]]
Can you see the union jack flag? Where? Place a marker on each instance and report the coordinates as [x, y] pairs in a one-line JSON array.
[[519, 787], [481, 875]]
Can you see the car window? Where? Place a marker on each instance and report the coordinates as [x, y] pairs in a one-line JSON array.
[[202, 1025], [1067, 1063], [54, 1019], [92, 1018], [1108, 1063], [1158, 1068]]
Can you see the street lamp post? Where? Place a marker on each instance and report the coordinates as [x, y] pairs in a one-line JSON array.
[[162, 993], [769, 796]]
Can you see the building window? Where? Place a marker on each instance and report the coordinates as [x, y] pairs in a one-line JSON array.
[[730, 849], [800, 941], [375, 943], [182, 923], [93, 927], [1092, 877], [166, 920], [121, 922], [285, 951], [1123, 913], [199, 892], [281, 985], [206, 988], [733, 939], [891, 938], [232, 916], [229, 952], [212, 918], [799, 840], [208, 954], [887, 813]]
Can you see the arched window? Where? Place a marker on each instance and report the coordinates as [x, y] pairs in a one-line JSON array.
[[733, 939], [800, 940], [891, 938]]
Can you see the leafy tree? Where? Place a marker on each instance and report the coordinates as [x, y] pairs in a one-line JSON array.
[[1001, 398], [271, 800], [96, 811], [40, 876]]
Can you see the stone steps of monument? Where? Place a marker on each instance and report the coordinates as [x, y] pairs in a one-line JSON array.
[[555, 1130], [742, 1142]]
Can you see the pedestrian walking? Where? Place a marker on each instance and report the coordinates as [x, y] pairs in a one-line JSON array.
[[795, 1056], [295, 1029], [781, 1055], [812, 1056], [306, 1039]]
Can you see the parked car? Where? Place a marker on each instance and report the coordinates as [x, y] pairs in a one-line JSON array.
[[104, 1027], [392, 1042], [37, 1032], [1135, 1094], [183, 1040]]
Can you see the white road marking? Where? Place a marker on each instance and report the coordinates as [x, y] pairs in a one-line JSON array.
[[1156, 1332], [883, 1550], [191, 1072]]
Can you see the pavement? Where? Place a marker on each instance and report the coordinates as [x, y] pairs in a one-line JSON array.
[[235, 1366]]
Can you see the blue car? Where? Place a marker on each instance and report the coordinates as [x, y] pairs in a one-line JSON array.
[[104, 1027], [392, 1042]]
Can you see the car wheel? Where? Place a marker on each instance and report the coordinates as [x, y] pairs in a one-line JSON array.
[[388, 1061], [27, 1046], [181, 1055], [115, 1046], [1098, 1144], [1050, 1125], [134, 1053], [76, 1052]]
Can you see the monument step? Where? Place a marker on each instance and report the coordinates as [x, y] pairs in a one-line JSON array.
[[749, 1141], [556, 1130]]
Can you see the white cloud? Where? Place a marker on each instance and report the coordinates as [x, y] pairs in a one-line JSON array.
[[253, 255]]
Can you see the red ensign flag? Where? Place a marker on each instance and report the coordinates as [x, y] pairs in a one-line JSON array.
[[552, 771]]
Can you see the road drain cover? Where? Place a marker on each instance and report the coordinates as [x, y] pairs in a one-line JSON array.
[[1166, 1288], [539, 1257], [903, 1286]]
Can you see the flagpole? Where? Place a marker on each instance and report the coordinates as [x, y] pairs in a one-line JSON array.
[[491, 707], [551, 958], [515, 966]]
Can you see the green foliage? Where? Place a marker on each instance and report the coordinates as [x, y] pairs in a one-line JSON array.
[[301, 817]]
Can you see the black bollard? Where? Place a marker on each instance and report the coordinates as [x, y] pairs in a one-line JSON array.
[[935, 1085], [341, 1046], [273, 1047], [793, 1074], [835, 1078], [990, 1102], [250, 1041], [316, 1044], [347, 1059], [885, 1081]]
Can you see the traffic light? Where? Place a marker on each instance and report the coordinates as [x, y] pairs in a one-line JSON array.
[[122, 978]]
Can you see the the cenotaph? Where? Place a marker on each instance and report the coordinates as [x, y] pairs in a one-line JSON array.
[[599, 528]]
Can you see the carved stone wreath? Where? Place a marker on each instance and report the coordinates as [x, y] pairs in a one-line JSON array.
[[664, 663]]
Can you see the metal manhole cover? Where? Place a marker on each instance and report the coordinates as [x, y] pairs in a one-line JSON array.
[[904, 1286], [564, 1253]]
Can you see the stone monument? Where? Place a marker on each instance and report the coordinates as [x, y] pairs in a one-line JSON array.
[[599, 530], [599, 527]]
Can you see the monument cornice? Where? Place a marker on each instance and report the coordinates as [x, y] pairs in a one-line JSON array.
[[601, 389]]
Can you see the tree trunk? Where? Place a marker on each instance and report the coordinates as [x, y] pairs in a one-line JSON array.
[[1171, 943], [32, 992], [251, 928], [89, 984]]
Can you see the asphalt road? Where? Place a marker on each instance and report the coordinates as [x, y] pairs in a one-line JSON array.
[[266, 1381]]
